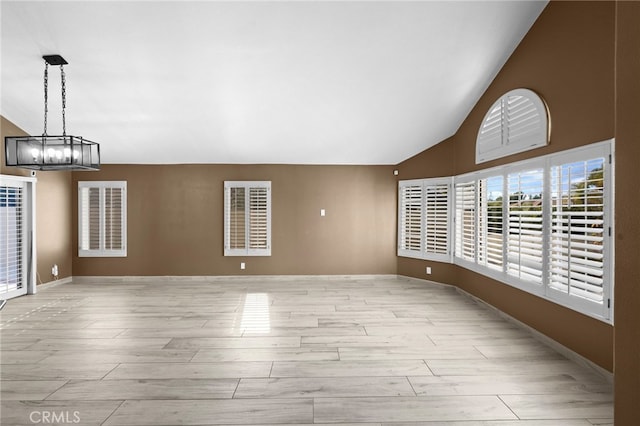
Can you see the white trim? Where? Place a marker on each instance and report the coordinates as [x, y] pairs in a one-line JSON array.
[[221, 278], [55, 283], [102, 252], [543, 338], [29, 252], [247, 250]]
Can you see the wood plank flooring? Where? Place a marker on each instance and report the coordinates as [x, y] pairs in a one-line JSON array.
[[369, 351]]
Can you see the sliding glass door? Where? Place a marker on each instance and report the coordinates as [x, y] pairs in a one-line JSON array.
[[16, 236]]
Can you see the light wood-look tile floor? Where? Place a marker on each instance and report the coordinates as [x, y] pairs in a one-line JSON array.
[[307, 351]]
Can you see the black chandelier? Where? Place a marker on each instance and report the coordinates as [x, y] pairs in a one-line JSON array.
[[65, 152]]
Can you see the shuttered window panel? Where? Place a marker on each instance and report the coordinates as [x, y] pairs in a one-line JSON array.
[[102, 219], [517, 122], [543, 225], [490, 222], [465, 230], [11, 238], [247, 218], [424, 218], [410, 219], [437, 206], [577, 229], [525, 220]]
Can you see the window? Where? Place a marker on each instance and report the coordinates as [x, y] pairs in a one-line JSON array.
[[102, 219], [423, 218], [516, 122], [466, 220], [524, 225], [490, 222], [17, 270], [247, 218], [543, 225], [579, 231]]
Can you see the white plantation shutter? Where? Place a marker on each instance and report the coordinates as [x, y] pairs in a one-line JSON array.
[[577, 238], [258, 218], [247, 218], [410, 215], [102, 219], [424, 209], [113, 218], [437, 218], [490, 222], [525, 234], [543, 225], [465, 220], [516, 122]]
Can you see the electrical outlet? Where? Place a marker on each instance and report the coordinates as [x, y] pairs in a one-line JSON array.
[[242, 265], [54, 270], [428, 270]]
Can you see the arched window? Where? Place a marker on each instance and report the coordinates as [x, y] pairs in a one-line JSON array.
[[517, 122]]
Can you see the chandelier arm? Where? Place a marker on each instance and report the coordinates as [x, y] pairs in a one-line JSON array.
[[46, 96], [64, 100]]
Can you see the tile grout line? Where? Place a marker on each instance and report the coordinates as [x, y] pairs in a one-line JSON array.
[[507, 405]]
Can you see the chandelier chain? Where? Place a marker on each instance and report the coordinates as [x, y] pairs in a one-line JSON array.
[[46, 96], [64, 100]]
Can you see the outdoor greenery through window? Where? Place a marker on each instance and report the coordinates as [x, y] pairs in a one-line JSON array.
[[542, 225]]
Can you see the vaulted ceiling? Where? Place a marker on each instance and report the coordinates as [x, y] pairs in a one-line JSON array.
[[302, 82]]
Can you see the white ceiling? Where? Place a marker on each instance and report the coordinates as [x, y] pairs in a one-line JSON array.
[[304, 82]]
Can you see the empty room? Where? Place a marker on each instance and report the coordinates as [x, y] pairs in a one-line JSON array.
[[385, 213]]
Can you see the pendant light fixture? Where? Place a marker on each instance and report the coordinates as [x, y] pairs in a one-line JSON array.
[[65, 152]]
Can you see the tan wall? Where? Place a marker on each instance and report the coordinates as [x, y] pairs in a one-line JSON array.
[[53, 213], [568, 58], [627, 225], [175, 220]]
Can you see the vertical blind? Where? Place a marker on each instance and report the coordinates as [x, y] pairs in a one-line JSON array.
[[102, 218], [247, 218]]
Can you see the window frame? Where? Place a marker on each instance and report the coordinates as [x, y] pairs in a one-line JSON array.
[[247, 250], [102, 186], [604, 310], [424, 252]]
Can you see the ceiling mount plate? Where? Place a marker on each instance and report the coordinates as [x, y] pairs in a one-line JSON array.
[[55, 60]]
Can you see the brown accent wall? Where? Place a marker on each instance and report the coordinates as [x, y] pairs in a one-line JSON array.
[[627, 228], [568, 58], [53, 213], [175, 220]]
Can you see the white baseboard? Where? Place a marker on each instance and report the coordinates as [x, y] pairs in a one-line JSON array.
[[53, 283], [220, 278], [543, 338]]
